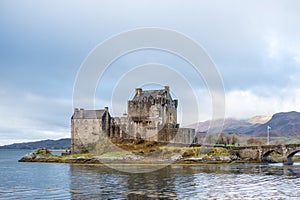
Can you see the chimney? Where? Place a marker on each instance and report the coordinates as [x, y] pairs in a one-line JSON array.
[[76, 110], [138, 91], [167, 89], [81, 112]]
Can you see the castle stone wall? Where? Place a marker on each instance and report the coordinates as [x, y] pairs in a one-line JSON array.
[[88, 127], [85, 133]]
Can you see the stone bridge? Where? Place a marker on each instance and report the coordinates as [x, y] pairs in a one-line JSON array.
[[260, 153]]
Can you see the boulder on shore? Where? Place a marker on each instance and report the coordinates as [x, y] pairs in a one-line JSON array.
[[39, 154]]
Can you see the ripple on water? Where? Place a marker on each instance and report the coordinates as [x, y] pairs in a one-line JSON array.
[[245, 186], [60, 181]]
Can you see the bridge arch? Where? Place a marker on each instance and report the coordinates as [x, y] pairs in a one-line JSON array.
[[291, 154], [267, 153], [291, 150]]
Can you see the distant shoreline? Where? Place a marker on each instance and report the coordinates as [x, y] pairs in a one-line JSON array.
[[64, 143]]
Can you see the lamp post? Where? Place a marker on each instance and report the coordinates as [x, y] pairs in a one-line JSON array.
[[268, 134]]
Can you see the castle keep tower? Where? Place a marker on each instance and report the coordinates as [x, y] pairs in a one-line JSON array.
[[150, 111]]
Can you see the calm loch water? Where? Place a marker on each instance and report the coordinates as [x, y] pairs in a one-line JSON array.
[[66, 181]]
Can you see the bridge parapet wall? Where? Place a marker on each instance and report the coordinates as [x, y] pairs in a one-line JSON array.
[[246, 153], [251, 154]]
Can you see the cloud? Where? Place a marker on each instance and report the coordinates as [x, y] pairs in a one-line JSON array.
[[245, 103], [31, 117], [255, 45]]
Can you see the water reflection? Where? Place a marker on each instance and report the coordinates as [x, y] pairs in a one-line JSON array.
[[103, 182], [64, 181], [185, 181]]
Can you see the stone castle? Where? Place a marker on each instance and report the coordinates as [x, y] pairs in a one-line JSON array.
[[152, 116]]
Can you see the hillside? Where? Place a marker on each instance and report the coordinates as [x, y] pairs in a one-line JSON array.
[[49, 144], [282, 124], [231, 125]]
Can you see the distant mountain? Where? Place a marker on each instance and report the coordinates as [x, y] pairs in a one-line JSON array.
[[238, 126], [231, 125], [282, 124], [49, 144], [259, 119]]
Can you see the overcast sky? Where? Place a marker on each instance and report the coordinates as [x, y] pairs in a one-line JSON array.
[[255, 45]]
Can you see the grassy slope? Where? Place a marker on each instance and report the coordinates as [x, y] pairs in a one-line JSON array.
[[154, 150]]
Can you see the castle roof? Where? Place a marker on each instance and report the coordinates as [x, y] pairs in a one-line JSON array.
[[148, 93], [88, 114]]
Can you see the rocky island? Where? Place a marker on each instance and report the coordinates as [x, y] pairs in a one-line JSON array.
[[141, 152], [149, 152]]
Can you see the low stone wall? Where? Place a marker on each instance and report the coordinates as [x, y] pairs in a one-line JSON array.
[[177, 135], [250, 154]]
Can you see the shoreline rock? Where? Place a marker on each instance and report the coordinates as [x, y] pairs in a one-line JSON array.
[[43, 155]]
